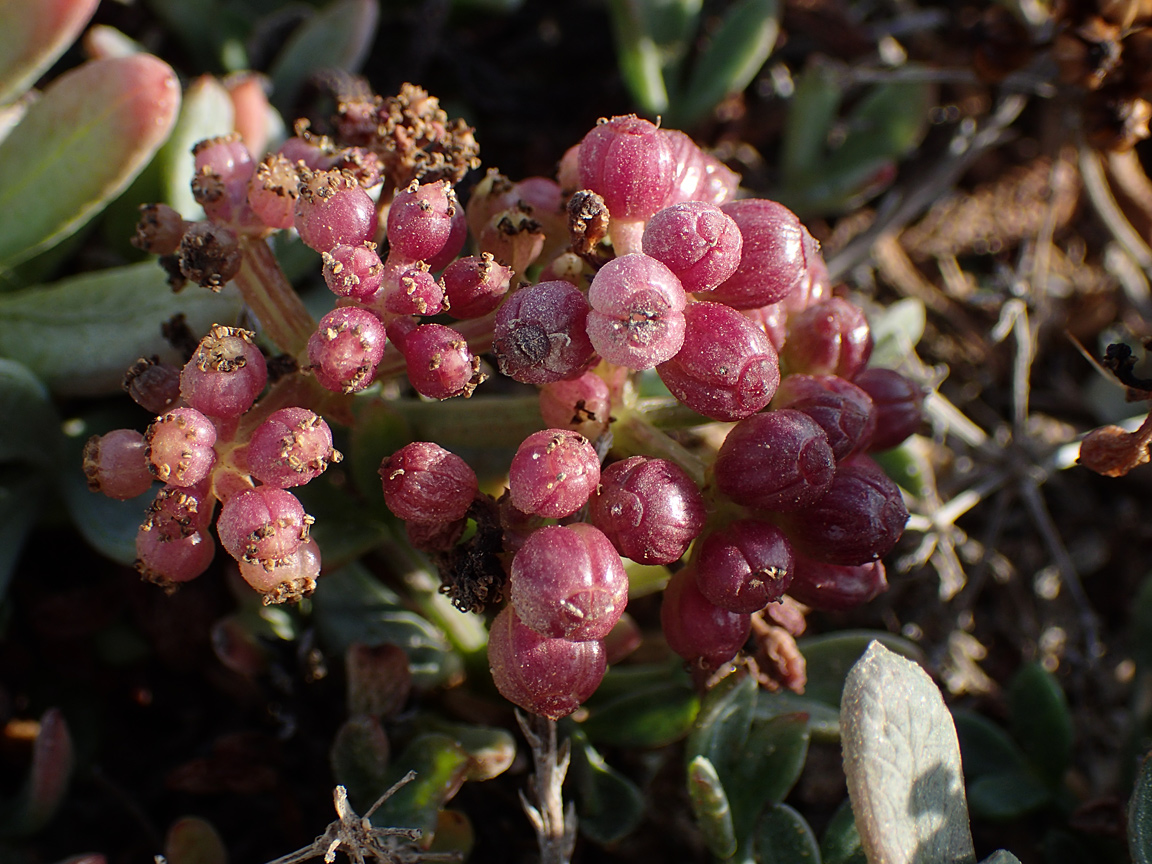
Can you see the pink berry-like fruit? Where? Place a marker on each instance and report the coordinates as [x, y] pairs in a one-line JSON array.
[[546, 676], [553, 473], [568, 582], [423, 482]]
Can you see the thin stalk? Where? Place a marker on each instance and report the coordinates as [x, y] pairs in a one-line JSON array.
[[555, 826], [273, 300], [633, 435]]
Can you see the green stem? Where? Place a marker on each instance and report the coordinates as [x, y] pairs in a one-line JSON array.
[[273, 300], [633, 435]]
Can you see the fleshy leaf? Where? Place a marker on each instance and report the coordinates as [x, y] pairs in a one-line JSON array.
[[811, 113], [823, 719], [359, 758], [1008, 795], [896, 331], [985, 747], [1040, 721], [47, 780], [192, 840], [350, 606], [79, 335], [841, 841], [652, 39], [734, 55], [829, 658], [902, 761], [35, 438], [784, 837], [773, 757], [722, 726], [710, 805], [79, 146], [648, 715], [1140, 815], [490, 749], [337, 36], [34, 35], [610, 805], [441, 766]]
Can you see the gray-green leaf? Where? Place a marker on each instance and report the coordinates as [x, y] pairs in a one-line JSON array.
[[902, 761]]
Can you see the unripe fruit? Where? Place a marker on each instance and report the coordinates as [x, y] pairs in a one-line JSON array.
[[292, 447], [226, 373]]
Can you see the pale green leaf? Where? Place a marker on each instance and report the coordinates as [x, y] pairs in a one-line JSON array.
[[902, 761], [34, 35]]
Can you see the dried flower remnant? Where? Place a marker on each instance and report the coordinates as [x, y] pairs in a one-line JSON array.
[[1113, 452]]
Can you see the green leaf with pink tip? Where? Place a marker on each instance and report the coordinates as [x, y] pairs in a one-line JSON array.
[[78, 147], [34, 35]]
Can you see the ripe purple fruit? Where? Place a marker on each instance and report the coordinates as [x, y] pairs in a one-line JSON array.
[[858, 520], [842, 409], [898, 405], [726, 369], [744, 565], [831, 337], [836, 587], [649, 508], [700, 631], [628, 162], [779, 460], [697, 241], [541, 336], [775, 258]]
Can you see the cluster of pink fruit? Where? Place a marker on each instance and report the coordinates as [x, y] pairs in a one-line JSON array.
[[643, 259]]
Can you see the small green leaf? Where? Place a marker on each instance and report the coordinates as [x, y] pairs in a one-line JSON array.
[[896, 330], [338, 36], [908, 466], [710, 805], [1140, 815], [34, 35], [902, 761], [1040, 721], [811, 113], [731, 60], [609, 804], [47, 780], [986, 748], [784, 837], [841, 842], [359, 759], [192, 840], [1007, 796], [441, 766], [772, 759], [490, 748], [79, 335], [79, 146], [638, 57], [650, 716], [350, 605], [830, 657], [823, 719], [722, 726]]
